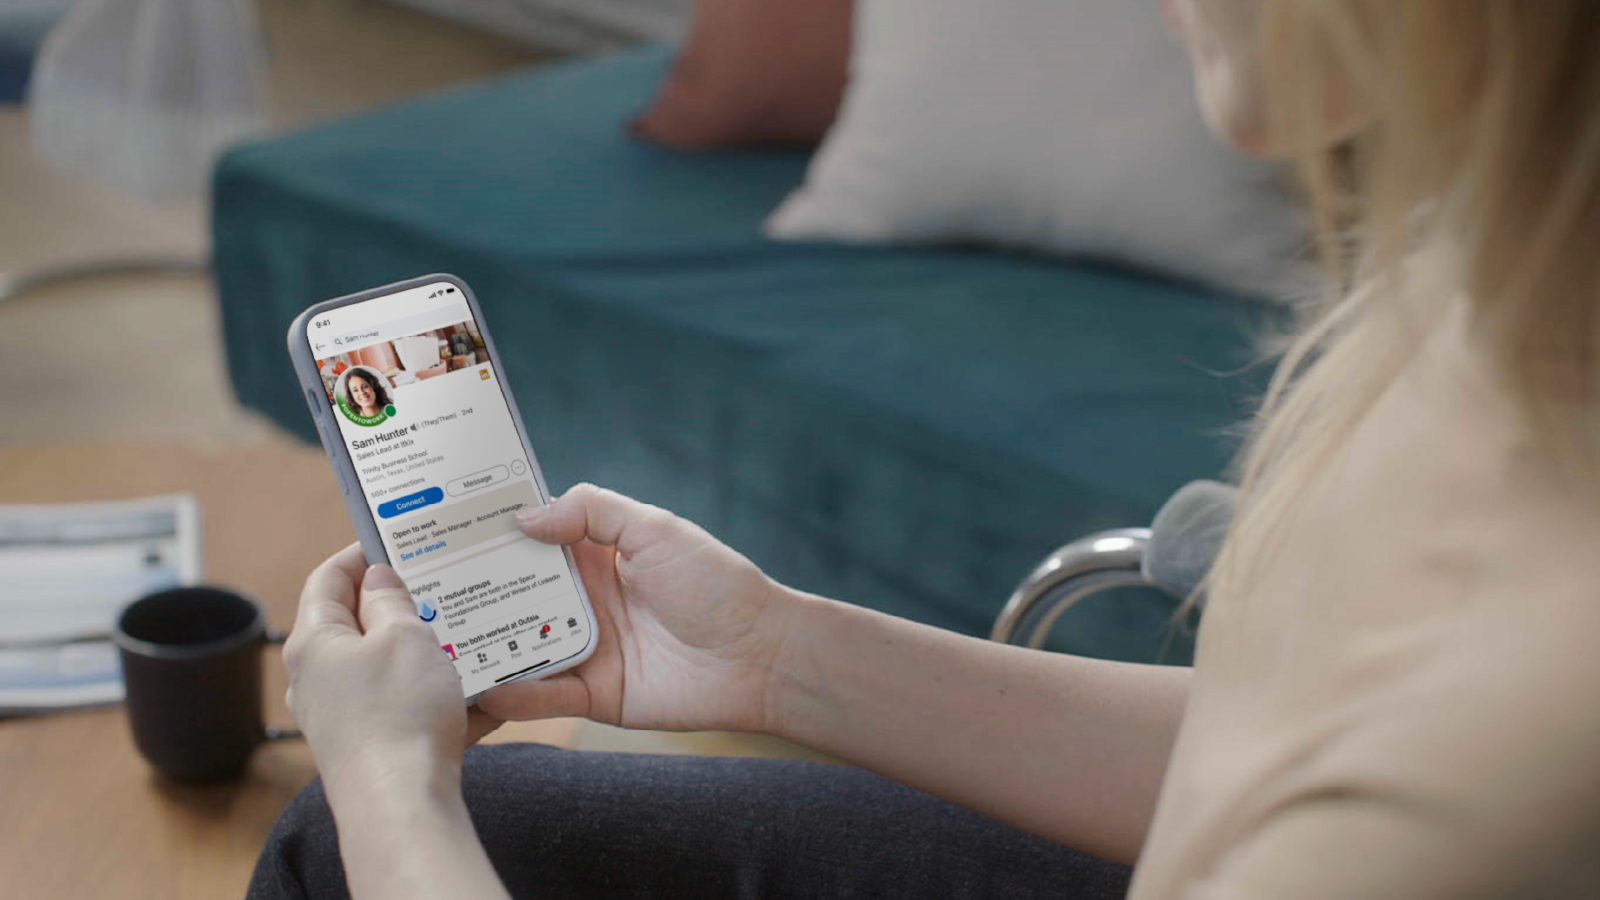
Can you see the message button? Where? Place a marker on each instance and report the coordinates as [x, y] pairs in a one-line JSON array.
[[478, 480]]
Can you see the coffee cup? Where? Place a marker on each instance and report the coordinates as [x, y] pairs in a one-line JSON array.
[[191, 663]]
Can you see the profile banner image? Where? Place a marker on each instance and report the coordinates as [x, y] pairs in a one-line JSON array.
[[363, 383]]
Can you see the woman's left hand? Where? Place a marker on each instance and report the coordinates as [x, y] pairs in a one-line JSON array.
[[378, 700]]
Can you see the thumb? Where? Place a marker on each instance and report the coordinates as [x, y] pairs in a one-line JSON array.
[[384, 600], [480, 725], [602, 516]]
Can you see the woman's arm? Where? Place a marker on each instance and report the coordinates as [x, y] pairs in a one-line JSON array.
[[693, 636], [404, 832], [382, 710], [1068, 748]]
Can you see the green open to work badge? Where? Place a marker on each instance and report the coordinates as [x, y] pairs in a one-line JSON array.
[[356, 417], [364, 398]]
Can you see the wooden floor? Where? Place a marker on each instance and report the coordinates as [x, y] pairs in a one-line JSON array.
[[82, 815]]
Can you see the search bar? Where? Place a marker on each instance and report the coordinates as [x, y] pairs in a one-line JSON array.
[[426, 321]]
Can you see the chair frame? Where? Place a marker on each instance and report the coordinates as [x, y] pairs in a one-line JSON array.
[[1098, 562]]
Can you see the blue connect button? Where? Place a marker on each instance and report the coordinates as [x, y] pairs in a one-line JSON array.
[[409, 502]]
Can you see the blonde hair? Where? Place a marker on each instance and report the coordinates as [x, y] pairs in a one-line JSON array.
[[1477, 188]]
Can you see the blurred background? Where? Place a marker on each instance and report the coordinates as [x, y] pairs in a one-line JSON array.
[[894, 304], [325, 59]]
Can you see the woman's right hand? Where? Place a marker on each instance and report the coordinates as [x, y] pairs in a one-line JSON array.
[[689, 630]]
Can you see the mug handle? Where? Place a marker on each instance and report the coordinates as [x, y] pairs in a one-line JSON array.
[[274, 636]]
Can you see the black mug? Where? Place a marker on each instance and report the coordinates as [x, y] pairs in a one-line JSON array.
[[191, 662]]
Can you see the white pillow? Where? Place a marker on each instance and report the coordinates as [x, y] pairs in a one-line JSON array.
[[1067, 126]]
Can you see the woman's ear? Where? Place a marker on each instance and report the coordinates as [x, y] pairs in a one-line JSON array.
[[1225, 41]]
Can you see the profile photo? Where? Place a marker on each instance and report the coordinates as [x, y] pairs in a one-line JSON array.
[[363, 395]]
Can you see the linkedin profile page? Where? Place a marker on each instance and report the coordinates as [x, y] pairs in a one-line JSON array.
[[444, 471]]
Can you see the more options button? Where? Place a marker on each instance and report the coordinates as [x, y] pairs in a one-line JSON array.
[[477, 480], [402, 505]]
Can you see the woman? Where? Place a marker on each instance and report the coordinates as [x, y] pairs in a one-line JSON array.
[[1395, 693], [365, 393]]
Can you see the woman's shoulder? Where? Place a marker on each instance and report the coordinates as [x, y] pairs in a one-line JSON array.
[[1449, 465], [1445, 525], [1432, 626]]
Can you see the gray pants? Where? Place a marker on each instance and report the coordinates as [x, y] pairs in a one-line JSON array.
[[559, 823]]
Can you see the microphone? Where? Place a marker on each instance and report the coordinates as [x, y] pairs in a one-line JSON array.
[[1187, 535]]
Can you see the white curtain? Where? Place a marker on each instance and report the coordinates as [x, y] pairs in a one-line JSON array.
[[141, 95]]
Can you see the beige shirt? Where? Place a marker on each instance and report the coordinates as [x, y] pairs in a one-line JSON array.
[[1407, 703]]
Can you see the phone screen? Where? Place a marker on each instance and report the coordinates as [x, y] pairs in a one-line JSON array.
[[442, 467]]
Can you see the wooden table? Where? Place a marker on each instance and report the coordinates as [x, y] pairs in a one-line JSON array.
[[81, 814]]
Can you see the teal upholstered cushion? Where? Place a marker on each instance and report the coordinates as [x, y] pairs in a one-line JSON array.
[[906, 429]]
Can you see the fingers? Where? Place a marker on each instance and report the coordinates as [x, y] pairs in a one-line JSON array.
[[552, 698], [385, 600], [352, 561], [329, 597], [480, 725], [602, 516]]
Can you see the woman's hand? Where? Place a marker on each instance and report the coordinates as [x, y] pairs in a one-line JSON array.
[[382, 707], [689, 630], [376, 697]]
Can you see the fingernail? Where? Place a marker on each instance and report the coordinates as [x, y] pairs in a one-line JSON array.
[[531, 513], [380, 577]]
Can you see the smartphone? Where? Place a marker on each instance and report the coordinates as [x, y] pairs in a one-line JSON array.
[[410, 400]]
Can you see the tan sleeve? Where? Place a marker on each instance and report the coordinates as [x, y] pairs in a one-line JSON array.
[[1472, 774], [1345, 848]]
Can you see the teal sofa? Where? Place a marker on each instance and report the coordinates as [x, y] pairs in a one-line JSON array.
[[906, 429]]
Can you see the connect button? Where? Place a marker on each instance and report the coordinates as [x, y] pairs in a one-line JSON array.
[[409, 502]]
